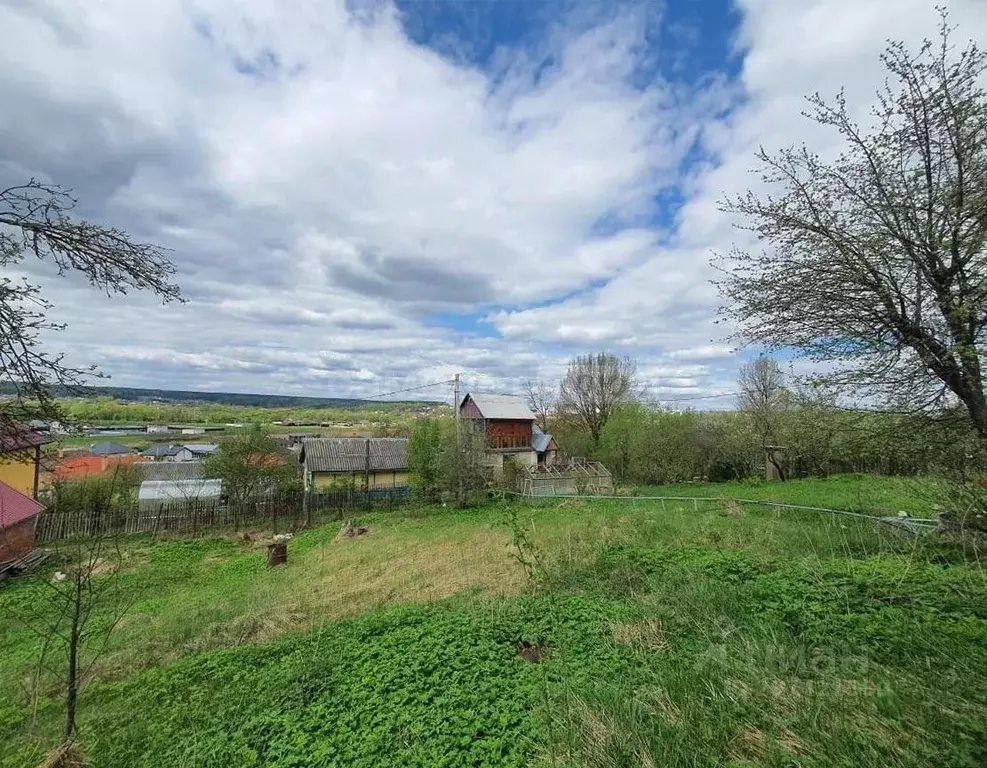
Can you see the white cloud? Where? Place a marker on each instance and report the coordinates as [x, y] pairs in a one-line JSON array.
[[327, 186]]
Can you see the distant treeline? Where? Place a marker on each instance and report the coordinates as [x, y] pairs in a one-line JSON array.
[[140, 395], [382, 419]]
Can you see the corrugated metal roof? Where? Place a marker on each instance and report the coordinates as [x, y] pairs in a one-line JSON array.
[[180, 490], [15, 507], [502, 407], [169, 470], [539, 440], [349, 454]]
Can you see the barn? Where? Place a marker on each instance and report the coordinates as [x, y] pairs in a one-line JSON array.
[[509, 430]]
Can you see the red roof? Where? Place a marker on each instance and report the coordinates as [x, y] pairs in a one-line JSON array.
[[78, 467], [18, 438], [15, 507]]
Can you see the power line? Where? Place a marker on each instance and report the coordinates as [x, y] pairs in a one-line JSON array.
[[409, 389], [660, 400]]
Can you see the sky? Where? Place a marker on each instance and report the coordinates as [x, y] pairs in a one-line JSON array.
[[364, 196]]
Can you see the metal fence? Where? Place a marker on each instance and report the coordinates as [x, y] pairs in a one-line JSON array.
[[281, 512]]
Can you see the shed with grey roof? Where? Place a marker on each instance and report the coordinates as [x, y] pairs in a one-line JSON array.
[[359, 462]]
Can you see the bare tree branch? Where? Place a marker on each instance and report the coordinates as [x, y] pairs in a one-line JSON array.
[[34, 219]]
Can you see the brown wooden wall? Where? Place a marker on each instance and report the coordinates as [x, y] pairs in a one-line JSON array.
[[17, 540], [509, 434]]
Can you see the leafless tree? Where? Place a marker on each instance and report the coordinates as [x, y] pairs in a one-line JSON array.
[[85, 603], [34, 219], [593, 386], [541, 399], [763, 397], [875, 263]]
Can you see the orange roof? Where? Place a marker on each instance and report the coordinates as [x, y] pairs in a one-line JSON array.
[[79, 467]]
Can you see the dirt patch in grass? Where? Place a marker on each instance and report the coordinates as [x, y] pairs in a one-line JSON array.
[[533, 653]]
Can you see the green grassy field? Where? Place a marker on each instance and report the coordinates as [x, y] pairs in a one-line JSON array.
[[722, 636]]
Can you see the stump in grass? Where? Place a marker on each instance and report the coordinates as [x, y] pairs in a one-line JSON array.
[[277, 554]]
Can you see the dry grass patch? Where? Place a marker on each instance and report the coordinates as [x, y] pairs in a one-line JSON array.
[[747, 744], [646, 634], [658, 699], [346, 577]]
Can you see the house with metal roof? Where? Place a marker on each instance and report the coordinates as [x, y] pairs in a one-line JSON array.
[[159, 452], [361, 463], [509, 430], [195, 451]]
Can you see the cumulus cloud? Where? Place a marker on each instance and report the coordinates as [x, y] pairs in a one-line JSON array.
[[329, 187]]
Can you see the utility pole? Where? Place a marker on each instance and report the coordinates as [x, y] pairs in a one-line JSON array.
[[459, 444], [366, 474], [456, 396]]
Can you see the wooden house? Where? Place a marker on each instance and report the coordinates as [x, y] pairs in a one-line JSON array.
[[361, 463], [509, 429]]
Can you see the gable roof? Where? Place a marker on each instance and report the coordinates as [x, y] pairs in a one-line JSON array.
[[349, 454], [501, 407], [15, 507], [109, 449]]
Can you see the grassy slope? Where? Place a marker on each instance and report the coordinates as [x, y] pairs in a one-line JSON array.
[[676, 638]]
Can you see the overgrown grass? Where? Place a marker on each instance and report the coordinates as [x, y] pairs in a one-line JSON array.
[[863, 493], [672, 636]]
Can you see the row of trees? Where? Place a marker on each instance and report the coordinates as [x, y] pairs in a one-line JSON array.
[[779, 423]]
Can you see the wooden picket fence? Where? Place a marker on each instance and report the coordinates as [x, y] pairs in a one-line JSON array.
[[281, 513]]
